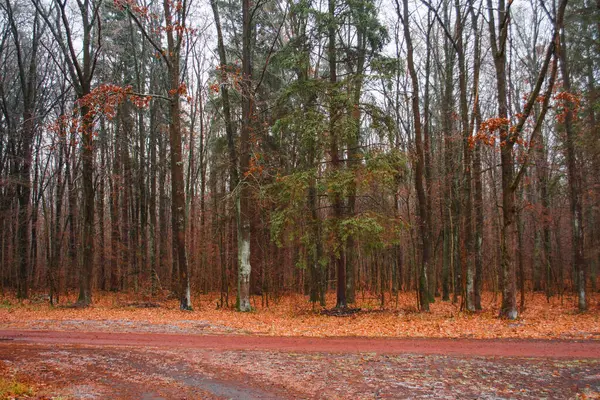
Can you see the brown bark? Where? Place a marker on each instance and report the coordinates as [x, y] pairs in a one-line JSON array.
[[510, 182], [116, 188], [419, 162], [574, 179], [477, 172], [466, 211], [27, 74], [177, 179]]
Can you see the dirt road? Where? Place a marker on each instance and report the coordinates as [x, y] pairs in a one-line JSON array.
[[464, 347], [165, 366]]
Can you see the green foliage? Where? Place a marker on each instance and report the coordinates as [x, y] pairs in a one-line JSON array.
[[301, 121], [339, 181], [289, 195], [279, 220], [9, 389], [290, 190], [307, 126], [386, 67], [366, 228], [381, 122], [364, 14], [387, 168]]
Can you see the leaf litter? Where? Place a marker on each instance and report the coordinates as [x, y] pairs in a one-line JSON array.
[[293, 315]]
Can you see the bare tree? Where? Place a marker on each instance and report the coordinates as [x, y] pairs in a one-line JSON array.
[[80, 70]]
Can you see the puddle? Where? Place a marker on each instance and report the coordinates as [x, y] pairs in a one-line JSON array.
[[225, 389], [151, 396]]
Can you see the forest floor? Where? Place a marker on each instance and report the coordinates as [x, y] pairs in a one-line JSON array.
[[293, 315], [132, 347]]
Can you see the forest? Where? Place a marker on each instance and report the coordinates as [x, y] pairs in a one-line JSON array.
[[433, 148]]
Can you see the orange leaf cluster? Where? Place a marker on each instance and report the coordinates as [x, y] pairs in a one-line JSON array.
[[566, 102], [256, 167], [494, 124], [64, 124], [105, 99], [101, 101], [181, 90], [229, 73], [132, 5], [214, 87], [489, 131]]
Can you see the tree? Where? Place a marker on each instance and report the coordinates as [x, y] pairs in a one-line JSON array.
[[243, 198], [509, 137], [27, 74], [289, 152], [176, 30], [81, 73], [569, 105], [419, 162]]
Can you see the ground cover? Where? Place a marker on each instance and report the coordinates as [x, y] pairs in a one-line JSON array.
[[293, 315]]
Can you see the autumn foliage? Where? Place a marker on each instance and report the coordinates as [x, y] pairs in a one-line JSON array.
[[104, 99], [292, 315]]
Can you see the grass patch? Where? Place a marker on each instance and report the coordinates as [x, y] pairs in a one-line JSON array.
[[6, 304], [11, 388]]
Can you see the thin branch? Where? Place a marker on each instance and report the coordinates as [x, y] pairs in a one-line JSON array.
[[262, 75], [538, 126], [158, 48]]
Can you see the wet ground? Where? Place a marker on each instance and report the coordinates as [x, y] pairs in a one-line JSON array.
[[80, 365]]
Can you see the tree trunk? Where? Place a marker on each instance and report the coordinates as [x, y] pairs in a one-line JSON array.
[[466, 211], [509, 301], [243, 198], [419, 166], [24, 200], [116, 188], [341, 301], [447, 199], [87, 156], [574, 179], [177, 179]]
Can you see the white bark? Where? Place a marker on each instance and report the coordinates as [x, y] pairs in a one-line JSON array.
[[470, 287], [244, 267], [244, 274]]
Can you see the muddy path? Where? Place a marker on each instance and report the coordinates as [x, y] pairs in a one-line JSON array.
[[89, 372], [90, 365], [458, 347]]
